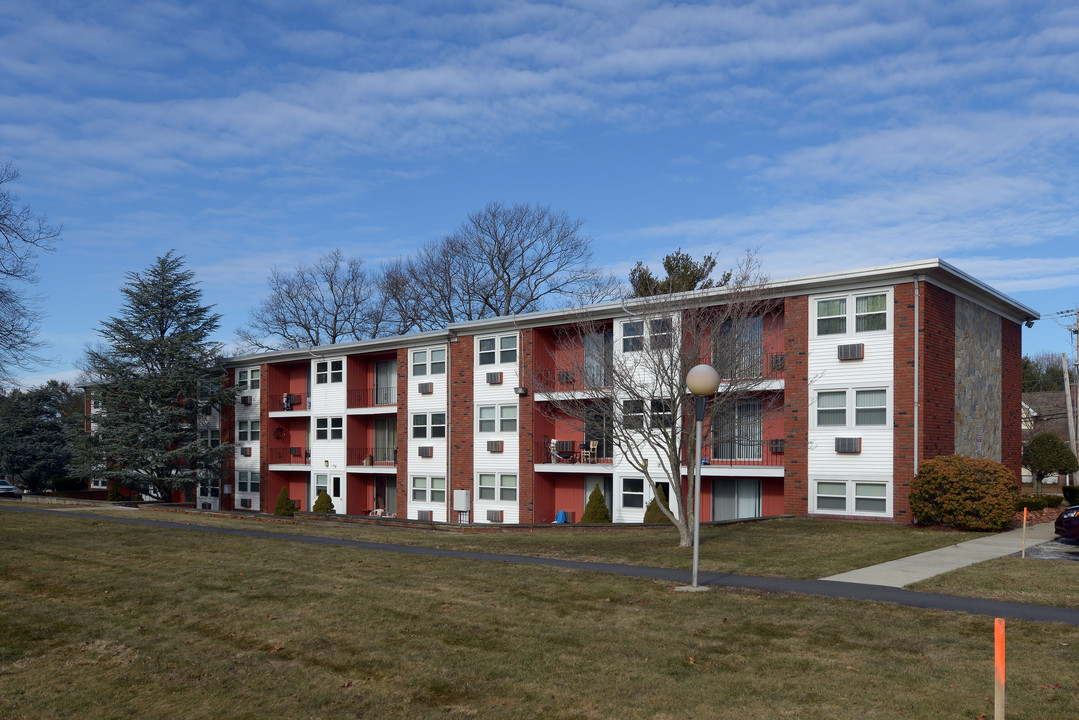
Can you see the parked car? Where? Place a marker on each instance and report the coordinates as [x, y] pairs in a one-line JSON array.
[[7, 490], [1067, 525]]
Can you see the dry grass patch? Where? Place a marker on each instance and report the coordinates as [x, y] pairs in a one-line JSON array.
[[1012, 579], [101, 620]]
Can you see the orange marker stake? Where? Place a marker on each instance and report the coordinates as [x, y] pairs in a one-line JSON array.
[[1024, 553], [998, 658]]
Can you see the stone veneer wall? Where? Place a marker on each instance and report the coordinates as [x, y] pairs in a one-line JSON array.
[[978, 388]]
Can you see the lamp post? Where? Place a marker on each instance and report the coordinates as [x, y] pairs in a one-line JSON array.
[[702, 381]]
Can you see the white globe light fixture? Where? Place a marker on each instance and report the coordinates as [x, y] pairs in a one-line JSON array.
[[703, 381]]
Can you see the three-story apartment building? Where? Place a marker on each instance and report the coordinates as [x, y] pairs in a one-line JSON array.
[[857, 377]]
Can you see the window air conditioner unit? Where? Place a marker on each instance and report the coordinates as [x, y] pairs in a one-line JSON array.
[[565, 376], [494, 446], [848, 445], [494, 378], [852, 352], [245, 451], [777, 446], [427, 388], [245, 400], [424, 515], [427, 451], [777, 361], [245, 503], [294, 451], [494, 516]]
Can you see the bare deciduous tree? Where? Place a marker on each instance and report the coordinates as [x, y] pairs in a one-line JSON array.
[[331, 301], [635, 398], [502, 260], [22, 236]]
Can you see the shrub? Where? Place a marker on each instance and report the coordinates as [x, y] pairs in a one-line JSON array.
[[284, 505], [1032, 503], [596, 510], [1045, 455], [323, 503], [1071, 494], [654, 512], [114, 494], [1054, 501], [965, 493]]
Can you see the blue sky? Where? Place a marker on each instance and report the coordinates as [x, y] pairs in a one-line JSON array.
[[827, 136]]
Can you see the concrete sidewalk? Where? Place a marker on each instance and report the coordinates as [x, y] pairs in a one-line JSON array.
[[902, 572]]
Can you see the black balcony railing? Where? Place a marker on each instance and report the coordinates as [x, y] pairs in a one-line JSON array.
[[383, 456], [728, 454], [289, 456], [372, 397], [288, 401], [571, 451]]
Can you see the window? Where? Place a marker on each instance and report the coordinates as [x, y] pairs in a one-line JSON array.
[[438, 362], [871, 313], [419, 363], [329, 428], [487, 418], [831, 316], [632, 336], [832, 408], [633, 493], [501, 418], [502, 349], [856, 496], [210, 438], [253, 483], [661, 333], [419, 425], [438, 489], [870, 407], [738, 433], [662, 414], [419, 489], [505, 490], [633, 414], [248, 378], [247, 431], [242, 481], [739, 351], [320, 484], [329, 371], [507, 419], [438, 425]]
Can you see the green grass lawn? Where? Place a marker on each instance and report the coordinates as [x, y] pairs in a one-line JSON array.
[[100, 620], [1026, 580]]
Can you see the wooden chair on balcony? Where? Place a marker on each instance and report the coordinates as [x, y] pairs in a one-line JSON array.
[[590, 451]]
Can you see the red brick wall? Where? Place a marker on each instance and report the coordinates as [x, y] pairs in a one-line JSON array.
[[796, 402], [526, 491], [266, 500], [1011, 361], [903, 400], [462, 423], [937, 371], [402, 432]]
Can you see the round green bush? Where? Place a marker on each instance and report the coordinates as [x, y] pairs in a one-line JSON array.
[[596, 510], [1054, 501], [964, 493], [1032, 503], [284, 505], [323, 503]]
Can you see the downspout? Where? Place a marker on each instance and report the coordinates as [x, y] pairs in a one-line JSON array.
[[917, 365]]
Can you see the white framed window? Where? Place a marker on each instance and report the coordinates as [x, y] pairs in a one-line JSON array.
[[329, 428], [438, 361], [859, 407], [500, 350], [858, 312], [99, 484], [321, 483], [497, 418], [249, 378], [428, 489], [633, 336], [419, 363], [633, 493], [429, 425], [507, 349], [210, 438], [851, 497], [661, 334], [247, 481], [501, 487], [633, 414], [329, 371], [248, 430], [662, 413]]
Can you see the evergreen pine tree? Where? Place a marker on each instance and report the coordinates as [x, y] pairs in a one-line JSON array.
[[654, 513], [323, 503], [156, 373], [284, 506], [596, 510]]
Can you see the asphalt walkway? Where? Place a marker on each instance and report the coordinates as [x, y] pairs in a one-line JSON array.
[[827, 588]]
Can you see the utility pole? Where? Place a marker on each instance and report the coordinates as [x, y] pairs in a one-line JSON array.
[[1068, 405]]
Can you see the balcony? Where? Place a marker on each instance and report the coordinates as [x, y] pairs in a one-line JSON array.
[[729, 454], [372, 397], [378, 456], [288, 456], [571, 452], [288, 402], [588, 379]]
